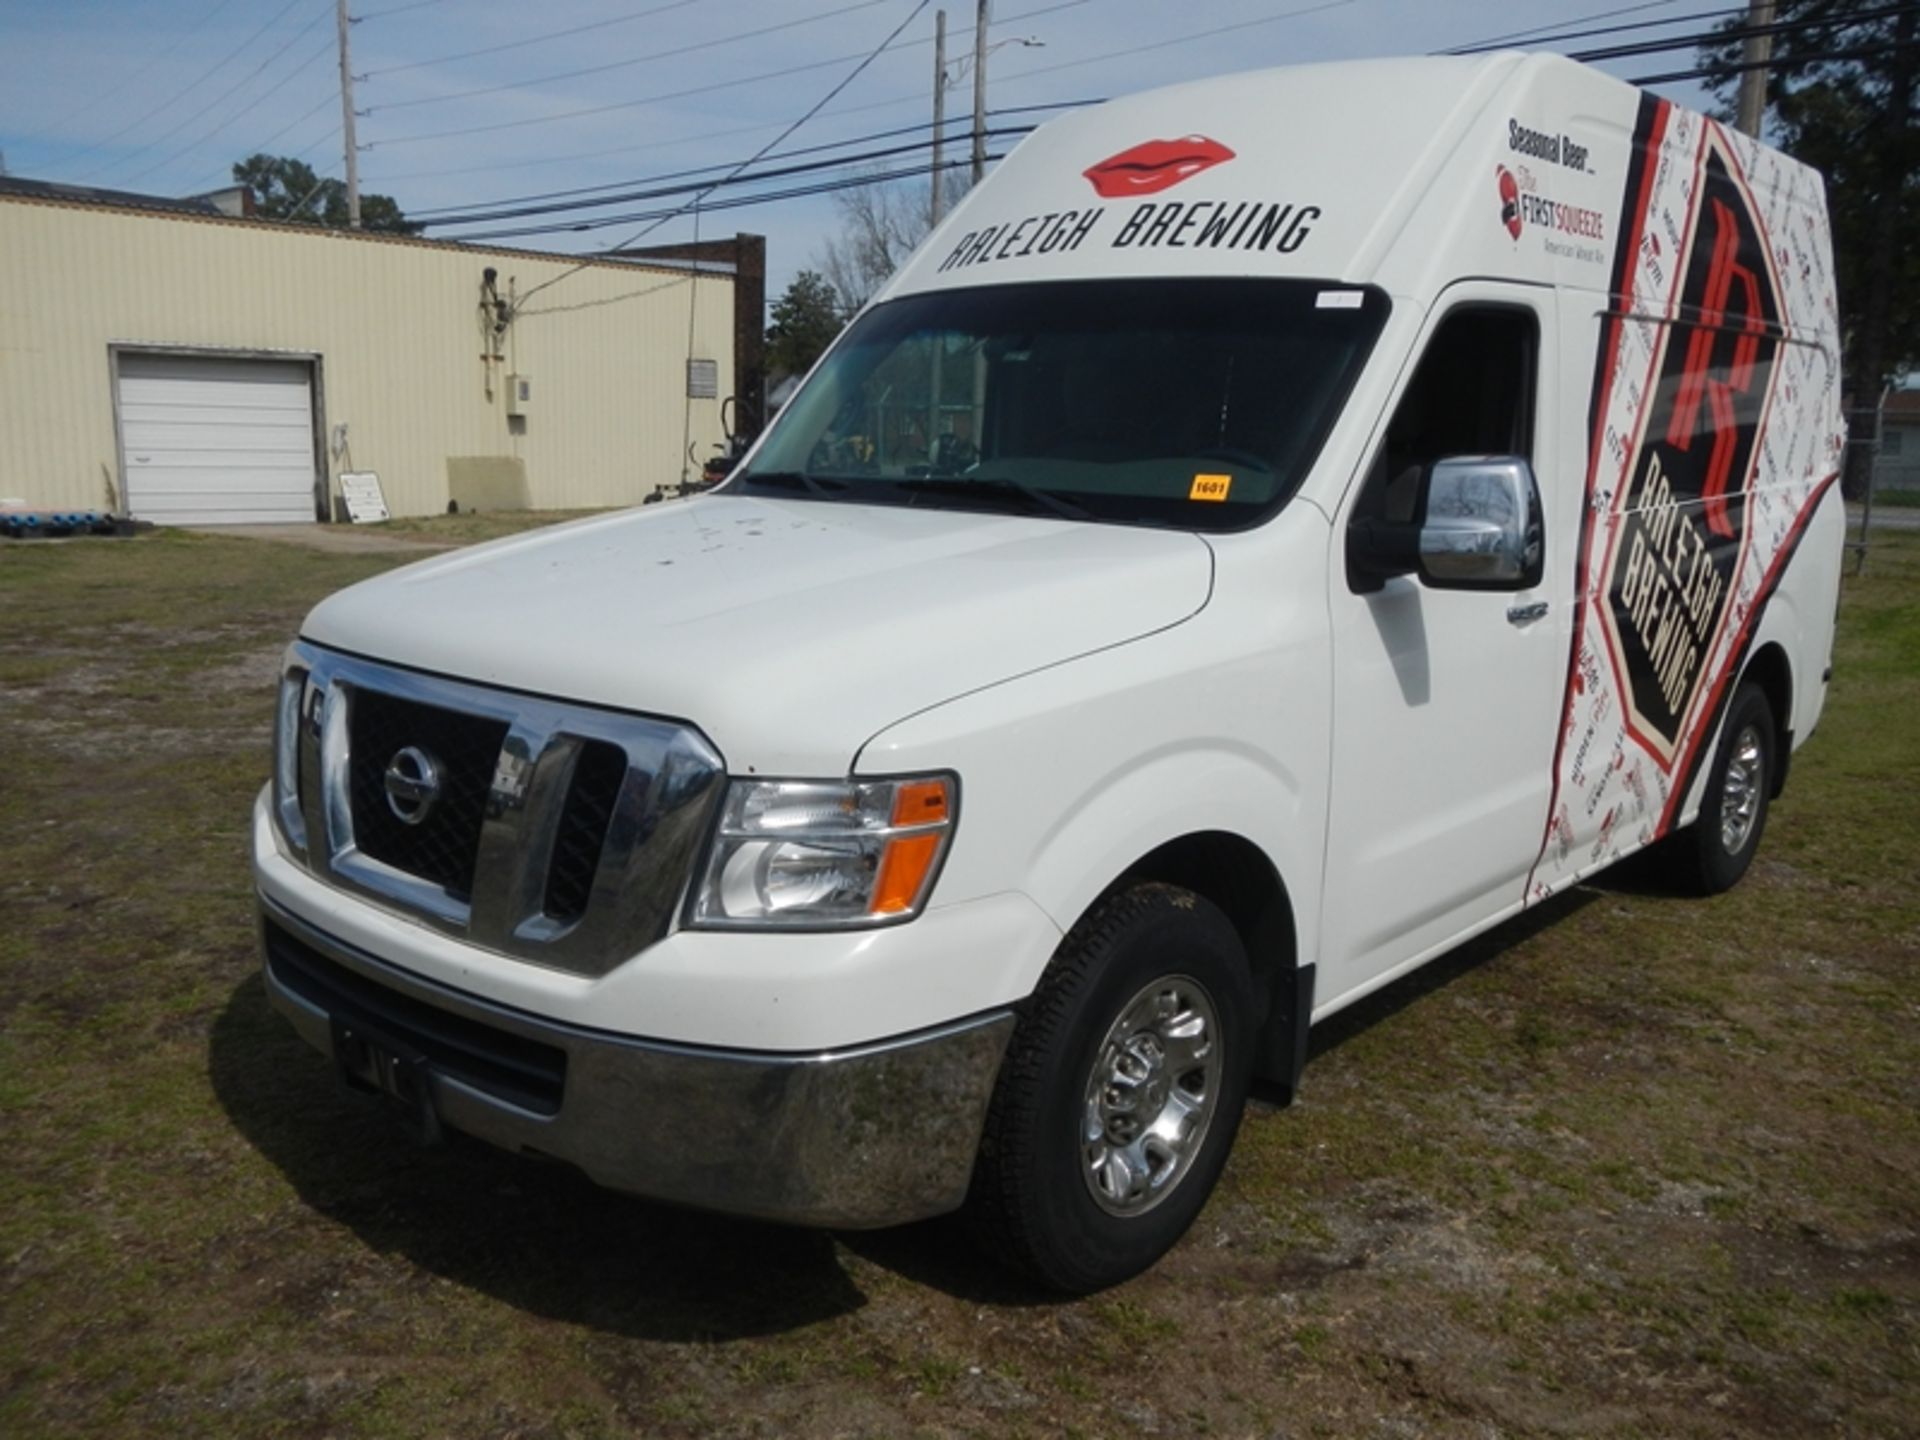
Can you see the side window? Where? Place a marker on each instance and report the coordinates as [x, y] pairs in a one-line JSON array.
[[1473, 394]]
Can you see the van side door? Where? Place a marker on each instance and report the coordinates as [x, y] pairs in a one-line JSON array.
[[1445, 701]]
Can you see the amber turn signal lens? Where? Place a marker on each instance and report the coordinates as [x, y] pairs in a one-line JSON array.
[[906, 862], [921, 802], [903, 870]]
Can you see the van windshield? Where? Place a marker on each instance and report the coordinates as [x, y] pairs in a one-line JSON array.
[[1191, 403]]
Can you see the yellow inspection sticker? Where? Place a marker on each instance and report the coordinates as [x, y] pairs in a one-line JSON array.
[[1210, 487]]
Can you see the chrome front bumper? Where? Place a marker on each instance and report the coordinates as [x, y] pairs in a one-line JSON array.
[[855, 1138]]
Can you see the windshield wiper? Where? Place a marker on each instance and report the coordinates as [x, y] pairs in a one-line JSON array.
[[963, 486], [824, 486]]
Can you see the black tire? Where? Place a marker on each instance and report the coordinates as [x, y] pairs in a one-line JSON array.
[[1033, 1202], [1701, 857]]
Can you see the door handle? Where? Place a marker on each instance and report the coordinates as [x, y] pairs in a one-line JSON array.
[[1526, 614]]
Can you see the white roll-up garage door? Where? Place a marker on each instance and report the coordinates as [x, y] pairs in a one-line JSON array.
[[212, 441]]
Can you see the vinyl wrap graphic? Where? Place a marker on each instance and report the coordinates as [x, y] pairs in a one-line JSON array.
[[1714, 432]]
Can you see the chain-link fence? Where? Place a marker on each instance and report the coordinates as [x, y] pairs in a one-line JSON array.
[[1858, 467]]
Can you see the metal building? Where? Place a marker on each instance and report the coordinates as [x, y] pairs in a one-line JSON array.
[[189, 367]]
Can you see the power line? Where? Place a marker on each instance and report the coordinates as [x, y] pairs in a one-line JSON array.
[[329, 98], [1677, 42], [1173, 40], [174, 100], [812, 110], [523, 43], [278, 16], [611, 299], [1783, 27], [125, 85], [326, 47], [265, 145], [614, 105], [325, 139], [396, 10], [729, 84], [547, 161], [449, 212], [1544, 32], [807, 167], [738, 202], [1734, 67], [628, 64]]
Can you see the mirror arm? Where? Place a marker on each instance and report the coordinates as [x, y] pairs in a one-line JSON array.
[[1378, 550]]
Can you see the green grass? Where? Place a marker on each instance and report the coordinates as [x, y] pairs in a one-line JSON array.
[[1633, 1166], [470, 526]]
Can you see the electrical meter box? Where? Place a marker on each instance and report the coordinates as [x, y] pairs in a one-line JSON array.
[[519, 394]]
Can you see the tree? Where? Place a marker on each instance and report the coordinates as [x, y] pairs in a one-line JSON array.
[[288, 189], [805, 320], [880, 224], [1840, 98]]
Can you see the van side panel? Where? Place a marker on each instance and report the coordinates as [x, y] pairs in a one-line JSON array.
[[1714, 435]]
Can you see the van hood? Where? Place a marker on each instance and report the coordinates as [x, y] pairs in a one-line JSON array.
[[789, 632]]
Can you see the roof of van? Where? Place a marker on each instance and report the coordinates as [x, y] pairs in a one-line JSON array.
[[1386, 172]]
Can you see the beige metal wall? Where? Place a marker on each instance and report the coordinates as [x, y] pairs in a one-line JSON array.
[[396, 325]]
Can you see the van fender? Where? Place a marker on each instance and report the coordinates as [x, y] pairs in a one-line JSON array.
[[1160, 798], [1237, 842], [1776, 640]]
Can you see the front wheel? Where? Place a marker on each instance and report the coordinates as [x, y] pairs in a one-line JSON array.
[[1120, 1092], [1711, 854]]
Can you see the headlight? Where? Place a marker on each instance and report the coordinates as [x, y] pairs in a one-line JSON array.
[[825, 854]]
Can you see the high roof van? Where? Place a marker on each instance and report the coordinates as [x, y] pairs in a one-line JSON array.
[[1275, 528]]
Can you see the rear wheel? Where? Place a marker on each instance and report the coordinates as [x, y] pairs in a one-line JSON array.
[[1711, 854], [1120, 1093]]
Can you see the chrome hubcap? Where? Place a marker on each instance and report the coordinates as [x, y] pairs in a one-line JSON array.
[[1151, 1096], [1740, 795]]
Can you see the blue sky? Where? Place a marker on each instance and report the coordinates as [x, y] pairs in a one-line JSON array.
[[162, 96]]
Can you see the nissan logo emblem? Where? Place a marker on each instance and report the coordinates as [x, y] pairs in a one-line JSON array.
[[413, 784]]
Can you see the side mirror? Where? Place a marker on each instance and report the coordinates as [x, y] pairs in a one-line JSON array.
[[1478, 528]]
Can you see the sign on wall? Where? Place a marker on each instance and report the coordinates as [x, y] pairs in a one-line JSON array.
[[360, 491]]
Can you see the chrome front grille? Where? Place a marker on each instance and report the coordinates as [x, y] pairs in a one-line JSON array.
[[552, 832], [443, 844]]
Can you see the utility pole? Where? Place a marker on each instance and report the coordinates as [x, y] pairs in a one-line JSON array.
[[939, 110], [982, 17], [1755, 52], [346, 116]]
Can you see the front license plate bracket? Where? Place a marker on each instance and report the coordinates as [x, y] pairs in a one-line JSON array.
[[369, 1060]]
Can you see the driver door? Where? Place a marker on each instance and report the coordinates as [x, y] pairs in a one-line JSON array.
[[1445, 700]]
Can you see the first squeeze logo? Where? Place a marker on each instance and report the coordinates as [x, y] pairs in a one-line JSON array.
[[1509, 199]]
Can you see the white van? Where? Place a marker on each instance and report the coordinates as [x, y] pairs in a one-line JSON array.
[[1276, 528]]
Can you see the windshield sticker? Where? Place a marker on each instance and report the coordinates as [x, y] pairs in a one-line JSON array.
[[1210, 487], [1340, 300], [1155, 166]]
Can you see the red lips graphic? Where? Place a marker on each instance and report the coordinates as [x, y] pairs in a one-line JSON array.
[[1155, 166]]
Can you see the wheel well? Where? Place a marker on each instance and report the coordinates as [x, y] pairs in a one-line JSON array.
[[1770, 671], [1236, 875]]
